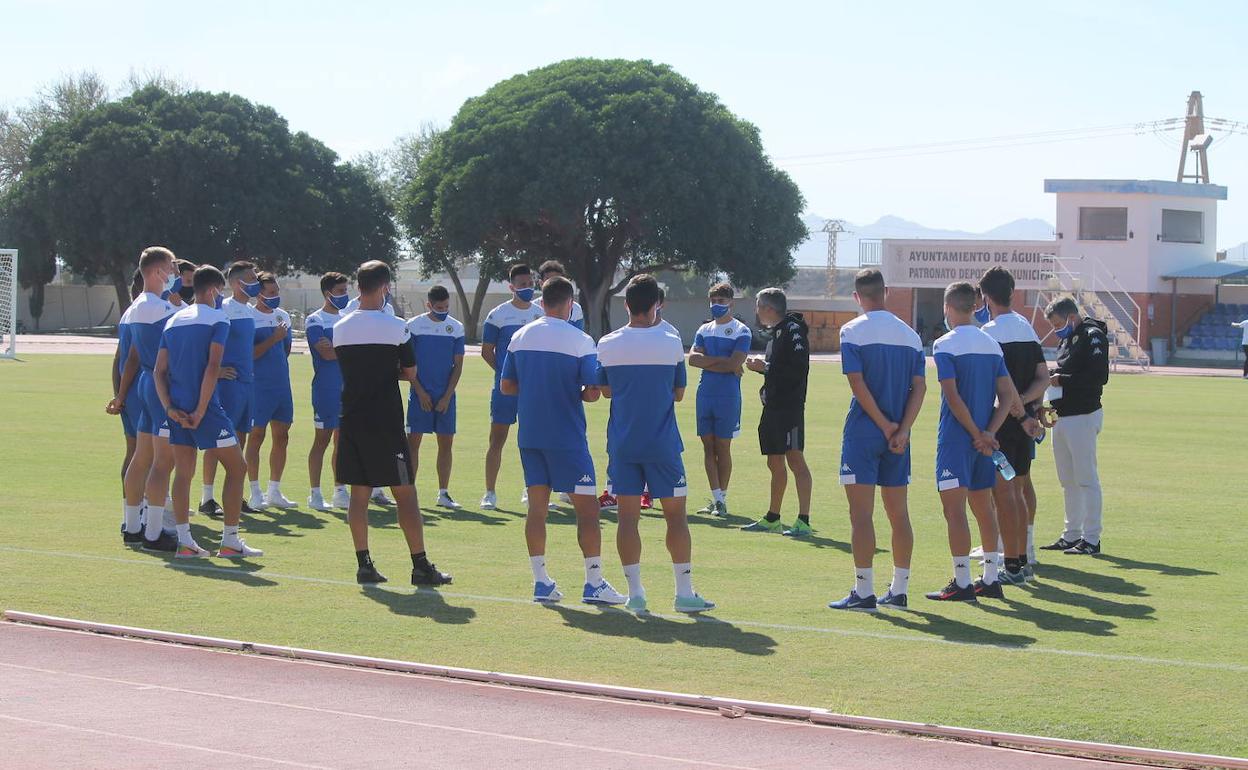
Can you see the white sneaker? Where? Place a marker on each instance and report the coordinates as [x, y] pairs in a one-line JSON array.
[[317, 503], [237, 550], [445, 501], [278, 500], [342, 498], [191, 550], [257, 502], [489, 501], [603, 593], [379, 496]]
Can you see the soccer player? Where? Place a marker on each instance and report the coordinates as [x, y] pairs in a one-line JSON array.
[[438, 342], [971, 371], [782, 426], [719, 350], [1243, 325], [641, 368], [186, 376], [237, 387], [147, 475], [1024, 360], [127, 408], [500, 324], [182, 292], [883, 360], [551, 369], [274, 405], [549, 269], [326, 387], [374, 351]]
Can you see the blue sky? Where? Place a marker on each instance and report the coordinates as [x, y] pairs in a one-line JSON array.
[[816, 77]]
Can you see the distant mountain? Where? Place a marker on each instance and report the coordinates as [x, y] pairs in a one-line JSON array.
[[814, 251]]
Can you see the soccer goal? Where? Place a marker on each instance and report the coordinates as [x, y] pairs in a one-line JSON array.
[[8, 303]]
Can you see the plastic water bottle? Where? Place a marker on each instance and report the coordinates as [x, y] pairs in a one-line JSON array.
[[1003, 465]]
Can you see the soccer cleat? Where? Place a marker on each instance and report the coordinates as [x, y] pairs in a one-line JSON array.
[[546, 593], [237, 549], [489, 501], [368, 575], [445, 501], [854, 602], [721, 509], [709, 508], [1084, 548], [317, 503], [603, 593], [636, 604], [211, 508], [1005, 577], [646, 501], [607, 501], [131, 538], [692, 605], [953, 593], [278, 500], [191, 550], [893, 601], [380, 497], [762, 525], [342, 498], [1061, 544], [427, 574], [799, 529], [256, 503], [167, 542], [1029, 573], [988, 590]]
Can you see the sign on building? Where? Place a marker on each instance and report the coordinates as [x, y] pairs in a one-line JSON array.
[[932, 264]]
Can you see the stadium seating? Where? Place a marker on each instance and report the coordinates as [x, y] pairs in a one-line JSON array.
[[1213, 330]]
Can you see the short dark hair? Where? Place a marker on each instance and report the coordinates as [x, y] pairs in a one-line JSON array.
[[869, 282], [518, 269], [642, 294], [997, 285], [557, 291], [662, 295], [266, 277], [372, 275], [438, 293], [184, 266], [153, 255], [330, 281], [1064, 307], [961, 296], [136, 283], [551, 266], [240, 266], [207, 277], [723, 289], [774, 298]]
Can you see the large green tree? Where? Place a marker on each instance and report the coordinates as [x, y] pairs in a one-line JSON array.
[[210, 175], [613, 167]]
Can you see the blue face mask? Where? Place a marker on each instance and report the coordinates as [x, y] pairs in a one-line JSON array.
[[524, 295], [983, 315], [272, 302], [1065, 331], [251, 289], [340, 301], [216, 301], [719, 311], [438, 316], [389, 299]]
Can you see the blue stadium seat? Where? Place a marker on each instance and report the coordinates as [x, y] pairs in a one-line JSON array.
[[1198, 343]]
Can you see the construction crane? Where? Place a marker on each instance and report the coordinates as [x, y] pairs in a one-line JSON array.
[[1195, 140], [833, 227]]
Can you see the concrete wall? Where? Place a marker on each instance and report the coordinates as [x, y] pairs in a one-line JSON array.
[[69, 307]]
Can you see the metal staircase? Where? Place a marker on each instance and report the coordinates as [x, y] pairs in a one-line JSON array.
[[1101, 296]]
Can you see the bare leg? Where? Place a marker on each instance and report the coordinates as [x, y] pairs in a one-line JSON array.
[[779, 481], [446, 443], [277, 455], [252, 452], [209, 472], [131, 443], [708, 459], [535, 521], [861, 498], [139, 468], [954, 503], [231, 458], [413, 448], [183, 471], [357, 516], [162, 467], [802, 479], [494, 457], [679, 544], [986, 517], [896, 507], [723, 461], [1029, 499], [627, 532], [588, 531], [410, 520], [316, 456]]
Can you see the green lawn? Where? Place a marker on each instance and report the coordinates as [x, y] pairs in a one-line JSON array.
[[1144, 645]]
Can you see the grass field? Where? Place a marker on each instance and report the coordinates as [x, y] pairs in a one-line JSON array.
[[1144, 645]]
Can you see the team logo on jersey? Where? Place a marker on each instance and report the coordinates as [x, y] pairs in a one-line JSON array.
[[727, 330]]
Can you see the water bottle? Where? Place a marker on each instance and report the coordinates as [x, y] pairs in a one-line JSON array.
[[1003, 465]]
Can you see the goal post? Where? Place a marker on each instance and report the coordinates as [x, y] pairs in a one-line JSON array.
[[8, 303]]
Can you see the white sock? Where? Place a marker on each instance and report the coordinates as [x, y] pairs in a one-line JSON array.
[[155, 522], [901, 581], [593, 571], [1031, 543], [168, 521], [632, 573], [133, 518], [168, 502], [1000, 543], [864, 581], [206, 495], [315, 492], [184, 534], [255, 488], [538, 563], [275, 487], [717, 495], [992, 565], [229, 534], [962, 570], [684, 579], [443, 493]]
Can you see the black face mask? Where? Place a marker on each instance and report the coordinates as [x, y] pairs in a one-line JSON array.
[[187, 293]]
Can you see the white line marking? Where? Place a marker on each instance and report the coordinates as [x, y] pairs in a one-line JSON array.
[[371, 717], [169, 744], [850, 632]]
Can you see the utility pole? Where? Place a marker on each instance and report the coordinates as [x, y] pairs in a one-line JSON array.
[[833, 227], [1195, 140]]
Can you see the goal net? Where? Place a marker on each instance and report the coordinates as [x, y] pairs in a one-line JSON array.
[[8, 303]]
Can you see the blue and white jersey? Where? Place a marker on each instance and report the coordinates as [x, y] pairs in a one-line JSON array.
[[318, 325], [974, 359], [576, 317], [187, 338], [435, 343], [721, 341], [273, 368], [667, 327], [642, 367], [145, 323], [500, 324], [123, 343], [889, 355], [240, 347], [551, 359]]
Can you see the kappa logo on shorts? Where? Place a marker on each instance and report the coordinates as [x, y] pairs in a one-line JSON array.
[[680, 482], [223, 434], [587, 479], [946, 474], [845, 468]]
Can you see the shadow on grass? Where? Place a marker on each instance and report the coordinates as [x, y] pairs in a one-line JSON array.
[[379, 517], [423, 603], [1045, 619], [463, 514], [704, 631], [241, 571], [1097, 604], [281, 522], [1162, 569], [953, 630], [1101, 584]]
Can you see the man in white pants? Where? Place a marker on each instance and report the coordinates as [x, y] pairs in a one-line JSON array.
[[1075, 392]]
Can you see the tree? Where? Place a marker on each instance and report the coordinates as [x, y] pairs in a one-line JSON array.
[[613, 167], [212, 176]]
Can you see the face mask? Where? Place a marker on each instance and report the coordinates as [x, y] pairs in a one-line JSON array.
[[438, 316], [251, 289], [524, 295], [1065, 331], [216, 301], [983, 315], [719, 311], [340, 301], [187, 293], [272, 302]]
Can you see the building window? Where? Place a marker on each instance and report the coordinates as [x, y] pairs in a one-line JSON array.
[[1102, 224], [1179, 226]]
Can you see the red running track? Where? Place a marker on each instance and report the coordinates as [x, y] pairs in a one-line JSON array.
[[70, 699]]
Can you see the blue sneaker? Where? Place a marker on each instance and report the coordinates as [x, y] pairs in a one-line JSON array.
[[546, 593], [855, 602], [603, 593], [895, 601]]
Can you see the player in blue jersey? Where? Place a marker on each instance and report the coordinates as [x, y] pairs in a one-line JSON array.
[[641, 368], [500, 324], [236, 389], [552, 370], [186, 374], [326, 386], [274, 404], [127, 408], [719, 349], [549, 269], [883, 360], [438, 341], [972, 374], [182, 292]]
